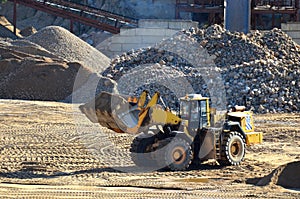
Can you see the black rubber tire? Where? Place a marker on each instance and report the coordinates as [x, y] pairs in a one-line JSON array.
[[232, 149], [140, 153], [176, 154]]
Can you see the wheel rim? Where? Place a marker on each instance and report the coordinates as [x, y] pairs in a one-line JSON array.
[[236, 150], [178, 155]]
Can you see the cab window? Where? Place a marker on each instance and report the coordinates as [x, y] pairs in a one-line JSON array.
[[203, 108], [204, 119], [194, 111], [184, 109]]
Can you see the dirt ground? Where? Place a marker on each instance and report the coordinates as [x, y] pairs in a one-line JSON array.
[[50, 150]]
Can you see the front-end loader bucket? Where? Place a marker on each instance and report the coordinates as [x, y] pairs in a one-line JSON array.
[[112, 111]]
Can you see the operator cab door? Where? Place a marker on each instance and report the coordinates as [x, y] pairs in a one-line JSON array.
[[194, 120], [203, 114], [198, 116], [195, 112]]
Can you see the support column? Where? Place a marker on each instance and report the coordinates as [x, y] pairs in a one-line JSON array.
[[177, 12], [71, 25], [15, 17], [297, 10], [237, 15]]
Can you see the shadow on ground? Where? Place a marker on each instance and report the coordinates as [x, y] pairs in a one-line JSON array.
[[37, 172]]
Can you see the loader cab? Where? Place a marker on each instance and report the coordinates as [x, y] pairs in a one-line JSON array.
[[194, 111]]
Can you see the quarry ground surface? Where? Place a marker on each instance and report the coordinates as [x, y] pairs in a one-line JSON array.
[[50, 150]]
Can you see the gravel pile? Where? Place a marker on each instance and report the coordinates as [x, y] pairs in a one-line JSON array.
[[53, 64], [28, 71], [272, 82], [69, 47], [226, 66]]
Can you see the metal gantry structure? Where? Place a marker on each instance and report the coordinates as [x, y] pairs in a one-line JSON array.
[[289, 8], [215, 8], [75, 12], [112, 22]]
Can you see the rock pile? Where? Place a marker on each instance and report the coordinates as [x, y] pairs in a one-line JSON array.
[[69, 47], [263, 66], [271, 82], [29, 71]]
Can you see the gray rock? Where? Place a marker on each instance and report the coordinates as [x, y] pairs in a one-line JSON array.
[[223, 65]]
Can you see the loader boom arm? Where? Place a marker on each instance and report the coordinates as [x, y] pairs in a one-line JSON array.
[[128, 115]]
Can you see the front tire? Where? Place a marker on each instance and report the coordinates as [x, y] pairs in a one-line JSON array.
[[140, 151], [177, 154], [232, 149]]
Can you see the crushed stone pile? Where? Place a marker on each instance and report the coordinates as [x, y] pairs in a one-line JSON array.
[[67, 46], [287, 176], [30, 72], [263, 66]]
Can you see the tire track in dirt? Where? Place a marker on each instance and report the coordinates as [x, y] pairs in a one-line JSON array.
[[52, 144]]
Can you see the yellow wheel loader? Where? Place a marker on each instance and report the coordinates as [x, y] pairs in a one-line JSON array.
[[175, 140]]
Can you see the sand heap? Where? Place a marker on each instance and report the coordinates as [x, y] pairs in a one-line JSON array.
[[263, 66], [67, 46], [29, 71], [287, 176]]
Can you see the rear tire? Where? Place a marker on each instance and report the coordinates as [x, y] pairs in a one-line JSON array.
[[232, 149]]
